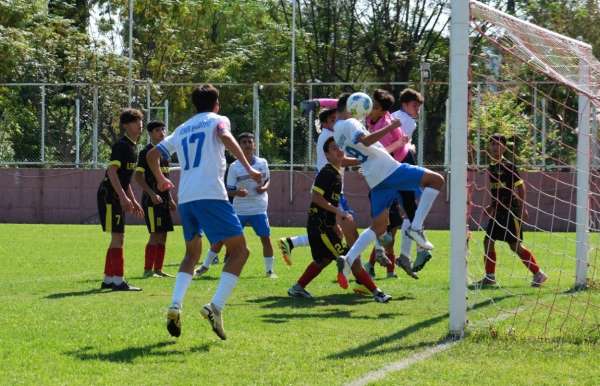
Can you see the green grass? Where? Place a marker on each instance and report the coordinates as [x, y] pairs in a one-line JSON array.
[[57, 328]]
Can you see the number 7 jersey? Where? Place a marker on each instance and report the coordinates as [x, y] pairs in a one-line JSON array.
[[201, 155], [376, 163]]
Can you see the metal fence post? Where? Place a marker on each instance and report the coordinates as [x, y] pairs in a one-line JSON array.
[[77, 132], [256, 115], [43, 125], [311, 121], [95, 119]]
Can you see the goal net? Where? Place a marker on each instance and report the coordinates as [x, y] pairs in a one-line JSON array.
[[540, 91]]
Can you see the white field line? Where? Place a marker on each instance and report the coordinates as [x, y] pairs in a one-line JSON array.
[[422, 355]]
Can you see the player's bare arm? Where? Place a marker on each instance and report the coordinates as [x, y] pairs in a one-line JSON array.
[[321, 202], [153, 159], [349, 161], [137, 208], [141, 181], [264, 187], [126, 203], [370, 139]]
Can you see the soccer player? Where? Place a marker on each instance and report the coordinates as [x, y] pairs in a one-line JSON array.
[[250, 200], [379, 118], [327, 118], [404, 151], [324, 234], [115, 198], [156, 204], [385, 177], [506, 211], [200, 144]]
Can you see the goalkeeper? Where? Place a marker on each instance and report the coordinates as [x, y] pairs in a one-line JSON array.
[[506, 211]]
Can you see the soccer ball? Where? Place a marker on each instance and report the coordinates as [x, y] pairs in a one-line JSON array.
[[359, 105]]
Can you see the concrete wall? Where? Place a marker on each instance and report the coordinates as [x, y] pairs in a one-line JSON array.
[[69, 196]]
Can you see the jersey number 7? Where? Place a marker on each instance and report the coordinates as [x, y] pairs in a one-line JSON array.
[[198, 138]]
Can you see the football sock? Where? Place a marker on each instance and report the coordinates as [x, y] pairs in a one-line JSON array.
[[490, 263], [182, 282], [299, 241], [364, 278], [425, 204], [108, 265], [529, 260], [406, 245], [227, 283], [269, 263], [159, 256], [392, 265], [117, 261], [149, 257], [364, 239], [313, 270], [117, 280], [210, 256]]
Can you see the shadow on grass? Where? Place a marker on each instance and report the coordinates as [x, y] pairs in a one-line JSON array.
[[319, 301], [61, 295], [375, 347], [128, 355], [341, 314]]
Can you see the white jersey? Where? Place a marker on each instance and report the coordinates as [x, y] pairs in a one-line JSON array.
[[407, 123], [323, 137], [201, 154], [238, 178], [376, 163]]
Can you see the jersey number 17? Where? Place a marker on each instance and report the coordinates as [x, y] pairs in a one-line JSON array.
[[198, 138]]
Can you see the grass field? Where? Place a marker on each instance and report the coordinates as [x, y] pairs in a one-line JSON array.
[[58, 328]]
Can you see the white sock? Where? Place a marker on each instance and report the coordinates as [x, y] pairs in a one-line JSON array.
[[117, 280], [425, 203], [210, 256], [363, 241], [108, 279], [299, 241], [227, 283], [406, 246], [182, 282], [269, 263]]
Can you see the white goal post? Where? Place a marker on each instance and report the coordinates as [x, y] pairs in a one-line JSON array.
[[566, 60]]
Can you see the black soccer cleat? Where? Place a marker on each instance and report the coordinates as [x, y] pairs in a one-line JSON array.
[[124, 286], [105, 285]]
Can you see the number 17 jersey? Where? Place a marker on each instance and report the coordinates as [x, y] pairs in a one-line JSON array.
[[376, 163], [201, 155]]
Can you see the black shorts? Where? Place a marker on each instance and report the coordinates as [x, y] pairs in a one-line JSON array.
[[325, 243], [505, 227], [158, 217], [110, 212], [395, 216]]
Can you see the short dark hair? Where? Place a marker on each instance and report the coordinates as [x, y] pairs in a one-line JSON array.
[[154, 125], [499, 138], [130, 115], [409, 95], [326, 144], [205, 98], [325, 114], [245, 134], [384, 98], [342, 100]]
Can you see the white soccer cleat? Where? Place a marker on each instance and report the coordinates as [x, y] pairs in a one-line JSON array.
[[381, 297], [174, 320], [404, 262], [381, 257], [200, 271], [213, 315], [419, 237]]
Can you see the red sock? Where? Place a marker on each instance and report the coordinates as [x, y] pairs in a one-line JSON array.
[[312, 271], [392, 265], [490, 263], [149, 256], [117, 261], [529, 260], [364, 278], [108, 269], [372, 257], [159, 257]]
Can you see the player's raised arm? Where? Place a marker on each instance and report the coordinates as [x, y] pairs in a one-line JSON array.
[[370, 139], [153, 159]]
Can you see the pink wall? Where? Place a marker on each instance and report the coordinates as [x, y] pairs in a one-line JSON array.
[[69, 196]]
